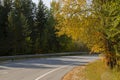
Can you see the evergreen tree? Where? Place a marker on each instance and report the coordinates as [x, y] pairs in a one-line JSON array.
[[41, 21], [52, 43], [19, 32], [5, 7], [28, 8]]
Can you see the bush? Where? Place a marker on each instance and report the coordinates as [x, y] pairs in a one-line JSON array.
[[98, 71]]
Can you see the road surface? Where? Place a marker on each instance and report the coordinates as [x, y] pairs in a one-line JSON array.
[[42, 69]]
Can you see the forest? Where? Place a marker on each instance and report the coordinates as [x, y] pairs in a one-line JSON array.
[[27, 28], [69, 25]]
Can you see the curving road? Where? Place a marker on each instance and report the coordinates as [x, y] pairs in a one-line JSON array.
[[42, 69]]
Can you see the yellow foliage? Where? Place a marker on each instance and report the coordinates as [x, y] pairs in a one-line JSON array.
[[74, 21], [97, 48]]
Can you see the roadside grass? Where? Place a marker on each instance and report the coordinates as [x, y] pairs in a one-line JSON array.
[[98, 71]]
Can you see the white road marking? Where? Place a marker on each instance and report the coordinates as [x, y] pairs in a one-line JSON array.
[[40, 77]]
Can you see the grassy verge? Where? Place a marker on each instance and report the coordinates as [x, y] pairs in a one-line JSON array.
[[98, 71], [93, 71]]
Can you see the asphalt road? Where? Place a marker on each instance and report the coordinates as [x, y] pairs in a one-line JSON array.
[[42, 69]]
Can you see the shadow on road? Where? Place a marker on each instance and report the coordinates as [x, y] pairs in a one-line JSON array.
[[47, 63]]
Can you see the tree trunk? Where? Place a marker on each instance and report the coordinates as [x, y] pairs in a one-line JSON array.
[[111, 60]]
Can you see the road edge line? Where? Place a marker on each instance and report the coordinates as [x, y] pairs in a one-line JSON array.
[[40, 77]]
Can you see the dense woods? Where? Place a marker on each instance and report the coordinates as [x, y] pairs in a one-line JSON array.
[[27, 28]]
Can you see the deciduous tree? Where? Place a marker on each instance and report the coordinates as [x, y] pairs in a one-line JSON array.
[[96, 24]]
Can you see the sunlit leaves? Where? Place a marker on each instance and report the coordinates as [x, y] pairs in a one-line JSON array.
[[94, 26]]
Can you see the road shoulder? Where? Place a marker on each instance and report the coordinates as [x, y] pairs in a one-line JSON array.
[[78, 73]]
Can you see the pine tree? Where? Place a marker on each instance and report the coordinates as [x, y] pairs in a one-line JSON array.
[[19, 29], [41, 21], [19, 32], [5, 7], [28, 8]]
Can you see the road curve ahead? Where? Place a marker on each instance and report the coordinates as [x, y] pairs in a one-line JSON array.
[[42, 69]]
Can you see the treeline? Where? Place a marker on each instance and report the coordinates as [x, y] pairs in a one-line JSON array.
[[27, 28]]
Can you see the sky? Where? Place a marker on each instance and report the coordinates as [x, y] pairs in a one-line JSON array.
[[46, 2]]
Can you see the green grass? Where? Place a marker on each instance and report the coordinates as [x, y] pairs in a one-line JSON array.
[[98, 71]]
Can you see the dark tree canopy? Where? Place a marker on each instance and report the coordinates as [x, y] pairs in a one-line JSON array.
[[27, 28]]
